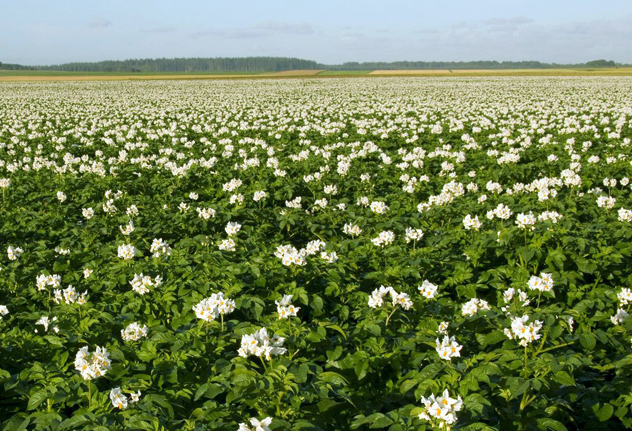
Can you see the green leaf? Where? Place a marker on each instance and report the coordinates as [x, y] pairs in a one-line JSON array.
[[73, 422], [492, 338], [588, 340], [564, 378], [36, 399], [550, 424], [376, 420], [407, 385], [333, 378], [604, 412]]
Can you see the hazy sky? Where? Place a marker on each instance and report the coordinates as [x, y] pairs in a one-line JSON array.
[[329, 31]]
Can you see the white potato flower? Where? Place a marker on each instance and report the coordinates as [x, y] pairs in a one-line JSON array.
[[448, 348], [441, 409], [160, 248], [126, 251], [285, 308], [13, 253], [211, 308], [92, 364], [471, 223], [232, 228], [523, 332], [259, 195], [378, 207], [88, 213], [384, 238], [262, 345], [413, 234], [141, 283], [256, 425], [427, 289], [134, 332], [473, 306]]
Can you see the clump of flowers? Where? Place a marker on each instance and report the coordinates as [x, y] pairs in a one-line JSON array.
[[70, 296], [510, 294], [62, 251], [134, 332], [227, 245], [262, 345], [14, 252], [502, 211], [552, 216], [232, 228], [285, 307], [120, 400], [471, 223], [92, 364], [413, 234], [525, 221], [625, 215], [384, 238], [313, 247], [402, 299], [256, 425], [43, 281], [329, 257], [160, 248], [606, 202], [46, 321], [211, 308], [523, 332], [427, 289], [88, 213], [625, 298], [473, 306], [351, 229], [132, 211], [378, 207], [141, 283], [206, 213], [259, 195], [543, 283], [448, 348], [126, 251], [127, 229], [441, 410], [294, 203], [289, 255]]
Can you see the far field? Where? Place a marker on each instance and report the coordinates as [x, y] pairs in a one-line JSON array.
[[37, 75]]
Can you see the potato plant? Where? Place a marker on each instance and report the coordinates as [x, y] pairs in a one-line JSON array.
[[398, 254]]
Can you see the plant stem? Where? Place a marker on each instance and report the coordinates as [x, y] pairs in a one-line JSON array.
[[265, 368], [391, 315]]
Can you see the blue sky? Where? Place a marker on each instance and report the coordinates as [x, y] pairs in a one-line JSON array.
[[328, 31]]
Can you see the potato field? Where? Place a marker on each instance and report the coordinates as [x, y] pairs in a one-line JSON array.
[[316, 254]]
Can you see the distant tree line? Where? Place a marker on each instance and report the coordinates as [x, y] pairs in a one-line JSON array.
[[238, 64], [7, 66], [278, 64], [459, 65]]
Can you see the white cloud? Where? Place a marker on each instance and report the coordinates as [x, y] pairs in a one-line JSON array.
[[100, 23], [263, 29]]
